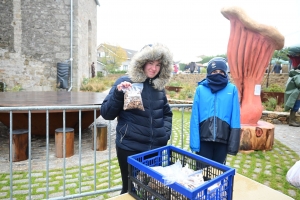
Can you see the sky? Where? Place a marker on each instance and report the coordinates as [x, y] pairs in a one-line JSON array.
[[189, 28]]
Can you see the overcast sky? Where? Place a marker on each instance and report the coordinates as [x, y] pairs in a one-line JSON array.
[[188, 27]]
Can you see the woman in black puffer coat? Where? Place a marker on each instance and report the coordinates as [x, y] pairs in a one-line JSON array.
[[138, 131]]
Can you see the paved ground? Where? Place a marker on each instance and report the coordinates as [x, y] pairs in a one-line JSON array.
[[38, 152], [289, 136]]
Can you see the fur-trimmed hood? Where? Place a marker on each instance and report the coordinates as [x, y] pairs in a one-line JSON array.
[[152, 53]]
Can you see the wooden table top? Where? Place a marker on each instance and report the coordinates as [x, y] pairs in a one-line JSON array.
[[50, 98], [243, 188]]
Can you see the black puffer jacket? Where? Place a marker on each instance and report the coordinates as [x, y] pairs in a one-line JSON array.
[[143, 130]]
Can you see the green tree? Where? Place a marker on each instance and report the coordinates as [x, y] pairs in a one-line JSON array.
[[281, 54], [114, 56], [205, 59]]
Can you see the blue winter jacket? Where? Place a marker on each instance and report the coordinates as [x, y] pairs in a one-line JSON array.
[[215, 117], [139, 130]]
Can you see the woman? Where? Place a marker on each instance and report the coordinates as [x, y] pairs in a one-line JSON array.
[[138, 131]]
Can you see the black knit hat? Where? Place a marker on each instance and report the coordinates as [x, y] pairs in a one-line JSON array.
[[217, 63]]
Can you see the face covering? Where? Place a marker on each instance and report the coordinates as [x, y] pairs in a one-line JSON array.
[[216, 82]]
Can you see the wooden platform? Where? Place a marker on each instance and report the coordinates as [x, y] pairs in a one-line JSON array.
[[49, 98]]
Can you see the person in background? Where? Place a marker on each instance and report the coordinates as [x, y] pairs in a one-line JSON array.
[[292, 95], [187, 68], [215, 119], [192, 67], [138, 131], [175, 71], [93, 70], [228, 68], [199, 69], [277, 68]]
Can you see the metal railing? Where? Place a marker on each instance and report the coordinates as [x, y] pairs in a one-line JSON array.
[[49, 160]]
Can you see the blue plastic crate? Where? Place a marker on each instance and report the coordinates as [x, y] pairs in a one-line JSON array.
[[147, 184]]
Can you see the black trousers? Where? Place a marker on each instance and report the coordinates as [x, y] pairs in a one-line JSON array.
[[213, 150], [122, 158]]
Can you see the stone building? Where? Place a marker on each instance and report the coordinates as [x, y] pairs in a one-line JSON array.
[[35, 35]]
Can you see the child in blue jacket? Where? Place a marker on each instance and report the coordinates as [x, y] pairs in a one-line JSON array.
[[215, 120]]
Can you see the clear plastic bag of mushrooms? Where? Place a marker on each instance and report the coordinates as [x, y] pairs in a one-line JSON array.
[[132, 97]]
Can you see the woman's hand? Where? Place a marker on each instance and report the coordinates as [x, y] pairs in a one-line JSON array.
[[123, 85]]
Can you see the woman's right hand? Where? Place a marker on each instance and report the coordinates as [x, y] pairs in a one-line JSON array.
[[123, 85]]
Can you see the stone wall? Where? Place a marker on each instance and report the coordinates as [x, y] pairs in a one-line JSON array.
[[35, 35], [86, 39], [6, 28]]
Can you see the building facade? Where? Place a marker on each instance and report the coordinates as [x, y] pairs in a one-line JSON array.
[[35, 35]]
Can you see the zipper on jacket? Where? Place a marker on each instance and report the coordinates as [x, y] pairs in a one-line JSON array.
[[215, 117], [151, 119]]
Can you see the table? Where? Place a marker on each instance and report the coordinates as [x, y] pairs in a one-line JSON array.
[[243, 188], [49, 98]]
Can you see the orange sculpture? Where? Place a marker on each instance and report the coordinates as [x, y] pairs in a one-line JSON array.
[[249, 51]]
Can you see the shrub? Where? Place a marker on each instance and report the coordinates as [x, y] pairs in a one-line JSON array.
[[174, 84], [117, 71], [99, 74], [203, 70], [96, 84], [16, 88], [271, 104], [182, 96], [274, 88], [190, 95], [172, 94]]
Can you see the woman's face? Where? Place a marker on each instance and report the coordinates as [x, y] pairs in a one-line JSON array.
[[152, 68]]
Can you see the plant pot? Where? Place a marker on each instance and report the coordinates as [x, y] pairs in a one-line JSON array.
[[173, 88], [277, 95]]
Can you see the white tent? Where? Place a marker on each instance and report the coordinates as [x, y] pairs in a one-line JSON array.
[[205, 64], [189, 59]]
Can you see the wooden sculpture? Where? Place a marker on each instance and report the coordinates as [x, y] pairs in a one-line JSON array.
[[249, 51]]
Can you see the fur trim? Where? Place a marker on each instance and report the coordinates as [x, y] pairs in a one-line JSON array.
[[152, 53]]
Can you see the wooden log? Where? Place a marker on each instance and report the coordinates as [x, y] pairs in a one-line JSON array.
[[19, 145], [259, 137], [69, 141], [101, 137]]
